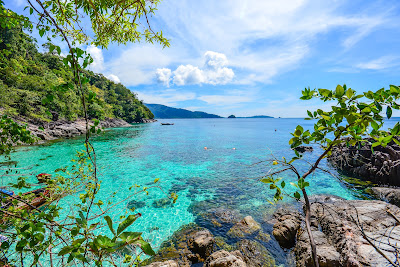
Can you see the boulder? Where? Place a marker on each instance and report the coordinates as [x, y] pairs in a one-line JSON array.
[[201, 243], [388, 194], [169, 263], [327, 254], [247, 226], [223, 258], [348, 226], [285, 229], [254, 254], [381, 167]]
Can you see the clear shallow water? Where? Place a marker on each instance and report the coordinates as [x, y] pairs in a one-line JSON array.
[[176, 155]]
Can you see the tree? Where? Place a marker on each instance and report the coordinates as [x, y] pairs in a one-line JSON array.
[[41, 234], [353, 120]]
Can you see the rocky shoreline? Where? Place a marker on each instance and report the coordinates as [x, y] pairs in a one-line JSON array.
[[67, 129], [380, 165]]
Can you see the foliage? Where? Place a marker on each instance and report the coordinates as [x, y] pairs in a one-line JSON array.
[[39, 85], [354, 120], [52, 82], [12, 134]]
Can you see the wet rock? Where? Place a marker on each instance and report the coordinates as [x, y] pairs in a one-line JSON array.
[[221, 243], [381, 167], [169, 263], [285, 229], [201, 243], [302, 149], [247, 226], [176, 247], [391, 195], [67, 129], [254, 254], [134, 204], [162, 203], [223, 258]]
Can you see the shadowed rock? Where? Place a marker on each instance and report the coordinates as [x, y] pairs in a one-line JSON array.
[[223, 258]]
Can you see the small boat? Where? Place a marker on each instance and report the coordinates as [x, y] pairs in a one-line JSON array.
[[166, 123]]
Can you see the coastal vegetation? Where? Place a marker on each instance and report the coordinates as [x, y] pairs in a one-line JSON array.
[[33, 235], [354, 120], [39, 86]]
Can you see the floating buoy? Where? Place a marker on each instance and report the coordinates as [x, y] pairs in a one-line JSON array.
[[234, 148], [205, 148]]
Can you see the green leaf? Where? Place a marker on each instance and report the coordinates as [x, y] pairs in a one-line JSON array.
[[375, 125], [339, 91], [128, 237], [389, 112], [146, 247], [65, 250], [283, 184], [109, 222], [126, 223], [297, 195]]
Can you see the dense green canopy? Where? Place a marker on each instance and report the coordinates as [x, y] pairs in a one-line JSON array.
[[31, 85]]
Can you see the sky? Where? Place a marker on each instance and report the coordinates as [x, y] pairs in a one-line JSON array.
[[249, 57]]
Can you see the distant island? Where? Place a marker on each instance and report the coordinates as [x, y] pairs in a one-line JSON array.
[[231, 117], [165, 112]]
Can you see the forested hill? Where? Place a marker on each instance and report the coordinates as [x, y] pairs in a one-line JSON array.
[[164, 112], [33, 85]]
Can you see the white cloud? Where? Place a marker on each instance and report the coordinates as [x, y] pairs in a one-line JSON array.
[[380, 63], [164, 76], [188, 74], [263, 39], [214, 60], [136, 65], [98, 59], [167, 97], [214, 72], [225, 99], [114, 78]]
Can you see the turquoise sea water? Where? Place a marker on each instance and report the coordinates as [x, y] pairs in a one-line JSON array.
[[176, 155]]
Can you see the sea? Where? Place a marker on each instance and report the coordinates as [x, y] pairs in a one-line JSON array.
[[206, 162]]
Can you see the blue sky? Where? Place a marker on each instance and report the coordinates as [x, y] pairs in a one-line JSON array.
[[248, 58]]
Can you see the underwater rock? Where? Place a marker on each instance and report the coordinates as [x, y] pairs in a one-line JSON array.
[[254, 254], [381, 167], [169, 263], [162, 203], [285, 229], [134, 204], [247, 226], [223, 258], [391, 195], [201, 243], [221, 243], [176, 247]]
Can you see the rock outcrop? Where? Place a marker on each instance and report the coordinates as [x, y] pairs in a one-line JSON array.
[[302, 149], [201, 243], [381, 166], [223, 258], [67, 129], [388, 194], [286, 227], [349, 232]]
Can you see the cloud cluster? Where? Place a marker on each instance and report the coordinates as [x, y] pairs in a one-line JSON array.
[[213, 72], [98, 59]]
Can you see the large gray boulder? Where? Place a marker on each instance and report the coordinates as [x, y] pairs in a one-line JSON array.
[[170, 263], [350, 226], [286, 227], [388, 194], [201, 243], [223, 258]]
